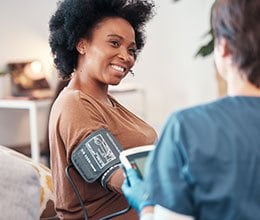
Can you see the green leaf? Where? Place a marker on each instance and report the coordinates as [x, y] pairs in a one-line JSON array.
[[206, 49]]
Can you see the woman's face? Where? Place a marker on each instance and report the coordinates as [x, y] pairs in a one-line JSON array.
[[110, 53]]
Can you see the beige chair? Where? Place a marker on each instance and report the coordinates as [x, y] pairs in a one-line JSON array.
[[26, 188]]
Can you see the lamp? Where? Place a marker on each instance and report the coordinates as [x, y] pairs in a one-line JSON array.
[[26, 77]]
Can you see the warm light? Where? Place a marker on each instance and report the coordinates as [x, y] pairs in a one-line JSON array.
[[36, 67], [34, 70], [28, 77]]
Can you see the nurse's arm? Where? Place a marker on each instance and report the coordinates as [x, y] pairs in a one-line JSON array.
[[158, 212]]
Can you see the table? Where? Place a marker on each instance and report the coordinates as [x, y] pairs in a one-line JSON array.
[[32, 106]]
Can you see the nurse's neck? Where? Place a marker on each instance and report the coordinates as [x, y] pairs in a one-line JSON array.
[[238, 85]]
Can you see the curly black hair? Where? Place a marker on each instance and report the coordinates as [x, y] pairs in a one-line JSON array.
[[75, 19]]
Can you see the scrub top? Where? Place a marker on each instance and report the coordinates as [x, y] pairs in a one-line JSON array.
[[207, 161]]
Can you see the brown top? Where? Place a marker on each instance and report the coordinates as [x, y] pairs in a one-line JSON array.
[[74, 116]]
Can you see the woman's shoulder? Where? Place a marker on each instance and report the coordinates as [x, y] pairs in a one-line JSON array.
[[74, 102], [72, 97]]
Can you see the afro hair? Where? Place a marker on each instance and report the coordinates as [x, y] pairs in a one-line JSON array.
[[75, 19]]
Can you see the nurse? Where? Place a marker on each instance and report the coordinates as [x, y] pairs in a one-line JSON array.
[[207, 161]]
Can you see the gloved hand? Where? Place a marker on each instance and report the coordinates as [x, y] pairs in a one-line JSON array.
[[134, 190]]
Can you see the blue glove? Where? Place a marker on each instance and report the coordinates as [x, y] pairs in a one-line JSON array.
[[134, 190]]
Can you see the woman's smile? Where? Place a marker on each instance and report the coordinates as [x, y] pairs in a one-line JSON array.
[[118, 68]]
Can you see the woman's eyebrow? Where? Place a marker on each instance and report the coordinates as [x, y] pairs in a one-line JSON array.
[[120, 37], [115, 35]]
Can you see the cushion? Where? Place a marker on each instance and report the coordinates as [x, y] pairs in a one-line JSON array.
[[47, 209], [19, 189]]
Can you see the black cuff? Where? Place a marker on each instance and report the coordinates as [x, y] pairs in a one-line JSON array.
[[106, 176]]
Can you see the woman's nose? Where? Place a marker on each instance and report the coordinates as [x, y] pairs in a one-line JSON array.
[[124, 55]]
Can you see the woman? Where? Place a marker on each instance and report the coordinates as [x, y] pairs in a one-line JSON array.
[[95, 43], [206, 163]]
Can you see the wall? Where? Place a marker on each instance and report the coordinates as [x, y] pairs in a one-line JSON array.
[[24, 30], [167, 70]]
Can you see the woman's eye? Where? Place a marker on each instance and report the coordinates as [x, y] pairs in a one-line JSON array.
[[115, 43]]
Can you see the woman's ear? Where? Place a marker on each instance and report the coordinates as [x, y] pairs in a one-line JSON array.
[[82, 46]]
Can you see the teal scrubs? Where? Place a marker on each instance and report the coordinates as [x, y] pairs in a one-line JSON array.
[[207, 161]]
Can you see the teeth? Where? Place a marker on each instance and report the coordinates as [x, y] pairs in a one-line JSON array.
[[118, 68]]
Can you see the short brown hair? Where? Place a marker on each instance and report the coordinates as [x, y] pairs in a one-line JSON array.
[[238, 21]]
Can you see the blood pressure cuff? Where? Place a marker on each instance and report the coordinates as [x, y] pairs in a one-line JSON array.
[[97, 156]]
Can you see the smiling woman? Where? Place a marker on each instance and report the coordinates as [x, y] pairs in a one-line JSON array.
[[106, 59], [95, 43]]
